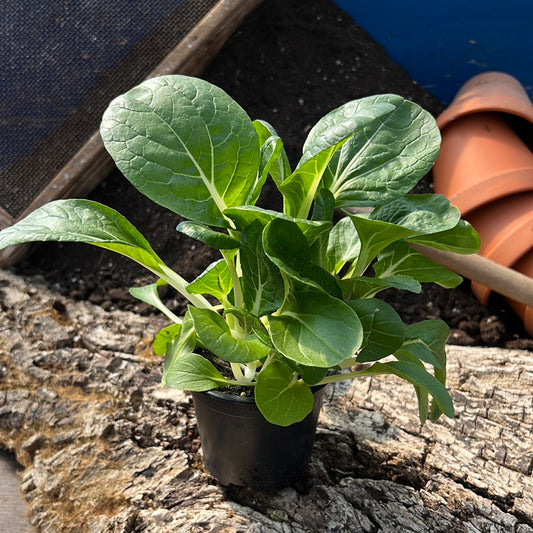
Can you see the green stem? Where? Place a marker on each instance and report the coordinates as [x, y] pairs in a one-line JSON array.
[[249, 372], [169, 314], [237, 372], [340, 377], [180, 284], [237, 290], [305, 207]]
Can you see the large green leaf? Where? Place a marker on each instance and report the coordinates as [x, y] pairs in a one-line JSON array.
[[394, 146], [249, 322], [281, 398], [150, 295], [262, 283], [462, 239], [311, 375], [323, 206], [344, 244], [367, 287], [186, 145], [202, 233], [300, 188], [401, 218], [400, 259], [422, 213], [178, 342], [245, 215], [315, 329], [417, 376], [425, 343], [214, 280], [192, 372], [383, 329], [164, 338], [343, 121], [216, 336], [288, 249], [93, 223], [323, 210], [83, 221], [374, 236]]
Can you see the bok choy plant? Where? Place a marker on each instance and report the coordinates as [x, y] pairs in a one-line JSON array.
[[291, 303]]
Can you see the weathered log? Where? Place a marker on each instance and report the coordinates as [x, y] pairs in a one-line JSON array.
[[106, 449]]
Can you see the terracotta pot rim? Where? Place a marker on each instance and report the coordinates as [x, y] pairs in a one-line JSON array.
[[482, 159], [489, 91], [508, 241], [470, 200], [514, 215]]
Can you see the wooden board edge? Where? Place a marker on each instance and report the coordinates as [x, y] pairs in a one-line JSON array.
[[92, 162]]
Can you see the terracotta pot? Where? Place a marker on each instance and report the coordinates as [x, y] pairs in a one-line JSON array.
[[481, 159], [485, 168], [524, 266], [490, 91], [506, 231]]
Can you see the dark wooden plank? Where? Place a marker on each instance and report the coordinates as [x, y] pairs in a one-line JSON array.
[[91, 164]]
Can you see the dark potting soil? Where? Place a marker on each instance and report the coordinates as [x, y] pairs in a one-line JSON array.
[[289, 63]]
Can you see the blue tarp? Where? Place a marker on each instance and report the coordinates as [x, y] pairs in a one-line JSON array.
[[443, 44]]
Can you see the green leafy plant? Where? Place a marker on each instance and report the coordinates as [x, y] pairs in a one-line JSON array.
[[291, 304]]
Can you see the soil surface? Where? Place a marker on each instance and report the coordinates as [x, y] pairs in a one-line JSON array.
[[290, 63]]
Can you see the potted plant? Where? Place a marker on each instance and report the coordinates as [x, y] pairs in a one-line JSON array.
[[291, 305]]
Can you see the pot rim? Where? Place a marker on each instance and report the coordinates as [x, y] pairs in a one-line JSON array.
[[481, 160], [488, 91], [230, 397]]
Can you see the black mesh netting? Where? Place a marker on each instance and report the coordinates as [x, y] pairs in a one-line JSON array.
[[61, 62]]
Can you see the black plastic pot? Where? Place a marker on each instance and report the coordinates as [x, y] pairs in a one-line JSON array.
[[240, 447]]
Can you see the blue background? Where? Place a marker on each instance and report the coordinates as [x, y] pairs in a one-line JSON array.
[[443, 44]]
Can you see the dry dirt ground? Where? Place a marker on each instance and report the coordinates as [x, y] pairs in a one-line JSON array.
[[289, 63]]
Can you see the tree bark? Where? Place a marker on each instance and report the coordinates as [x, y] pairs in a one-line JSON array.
[[105, 449]]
